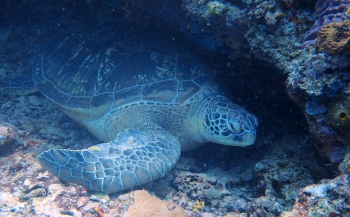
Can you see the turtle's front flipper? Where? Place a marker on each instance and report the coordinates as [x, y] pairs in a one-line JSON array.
[[132, 159]]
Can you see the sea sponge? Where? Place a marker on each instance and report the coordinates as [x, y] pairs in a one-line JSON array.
[[343, 115], [339, 114], [148, 206]]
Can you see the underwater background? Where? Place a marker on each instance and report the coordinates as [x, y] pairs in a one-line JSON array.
[[286, 61]]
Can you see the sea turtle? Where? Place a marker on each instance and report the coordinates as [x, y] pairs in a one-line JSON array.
[[145, 97]]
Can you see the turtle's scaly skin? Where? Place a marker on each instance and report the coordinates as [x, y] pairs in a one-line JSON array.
[[147, 99]]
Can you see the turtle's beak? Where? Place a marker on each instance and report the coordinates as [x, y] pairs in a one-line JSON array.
[[248, 138]]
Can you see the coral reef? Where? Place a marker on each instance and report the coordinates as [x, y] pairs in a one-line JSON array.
[[212, 191], [279, 177], [252, 189], [275, 36], [324, 102], [319, 83]]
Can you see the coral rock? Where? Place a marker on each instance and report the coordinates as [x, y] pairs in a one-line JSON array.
[[8, 137], [265, 206], [334, 38], [329, 198]]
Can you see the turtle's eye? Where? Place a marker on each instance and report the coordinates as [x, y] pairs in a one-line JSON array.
[[235, 125]]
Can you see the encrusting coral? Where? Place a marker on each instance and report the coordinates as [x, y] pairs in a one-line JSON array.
[[148, 206], [198, 205], [334, 38]]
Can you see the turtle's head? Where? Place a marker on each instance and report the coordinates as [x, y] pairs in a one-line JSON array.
[[229, 124]]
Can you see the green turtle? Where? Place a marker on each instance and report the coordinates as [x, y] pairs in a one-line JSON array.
[[146, 98]]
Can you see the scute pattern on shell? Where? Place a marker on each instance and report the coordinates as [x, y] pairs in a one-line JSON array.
[[88, 77]]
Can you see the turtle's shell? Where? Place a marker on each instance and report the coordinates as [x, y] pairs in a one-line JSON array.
[[88, 75]]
